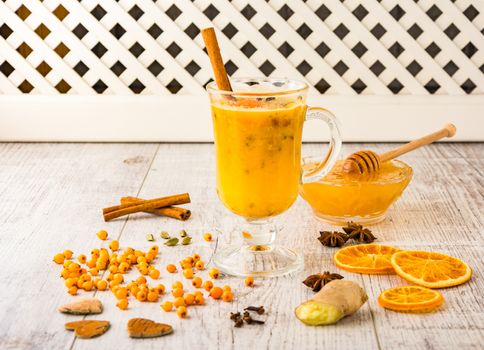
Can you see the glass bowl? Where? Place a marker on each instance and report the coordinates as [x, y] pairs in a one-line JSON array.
[[338, 198]]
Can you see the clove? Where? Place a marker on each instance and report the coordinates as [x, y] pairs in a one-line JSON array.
[[247, 318], [260, 310]]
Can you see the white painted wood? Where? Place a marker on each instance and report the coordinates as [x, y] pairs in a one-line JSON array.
[[187, 118], [51, 200]]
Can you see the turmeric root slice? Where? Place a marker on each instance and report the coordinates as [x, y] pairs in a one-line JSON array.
[[337, 299], [88, 328], [144, 328], [85, 306]]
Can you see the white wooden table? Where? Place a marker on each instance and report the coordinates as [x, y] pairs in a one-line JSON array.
[[51, 197]]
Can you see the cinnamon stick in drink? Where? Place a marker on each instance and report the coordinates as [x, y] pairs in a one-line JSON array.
[[172, 212], [216, 61], [144, 205]]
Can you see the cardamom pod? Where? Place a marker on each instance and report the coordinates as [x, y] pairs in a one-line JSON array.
[[183, 233], [187, 240], [150, 237], [165, 235], [172, 242]]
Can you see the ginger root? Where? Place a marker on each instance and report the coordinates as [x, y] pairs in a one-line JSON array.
[[337, 299]]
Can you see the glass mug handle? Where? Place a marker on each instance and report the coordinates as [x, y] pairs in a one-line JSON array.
[[314, 168]]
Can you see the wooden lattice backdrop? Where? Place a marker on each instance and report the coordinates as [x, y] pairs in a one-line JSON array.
[[154, 47]]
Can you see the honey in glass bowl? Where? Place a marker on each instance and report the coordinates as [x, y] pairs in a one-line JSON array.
[[338, 197]]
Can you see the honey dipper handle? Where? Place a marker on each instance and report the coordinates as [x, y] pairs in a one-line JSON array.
[[447, 131]]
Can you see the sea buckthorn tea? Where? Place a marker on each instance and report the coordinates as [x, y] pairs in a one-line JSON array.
[[258, 125], [258, 147]]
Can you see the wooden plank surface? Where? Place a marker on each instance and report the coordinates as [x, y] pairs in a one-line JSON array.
[[51, 200]]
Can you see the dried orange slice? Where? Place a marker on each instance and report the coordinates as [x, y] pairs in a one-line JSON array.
[[366, 258], [410, 299], [429, 269]]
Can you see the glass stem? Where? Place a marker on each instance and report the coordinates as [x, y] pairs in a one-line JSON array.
[[259, 235]]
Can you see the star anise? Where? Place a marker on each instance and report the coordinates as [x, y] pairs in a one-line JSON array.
[[332, 239], [358, 233], [319, 280]]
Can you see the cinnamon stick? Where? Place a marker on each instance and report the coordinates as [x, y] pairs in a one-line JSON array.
[[172, 212], [143, 205], [216, 61]]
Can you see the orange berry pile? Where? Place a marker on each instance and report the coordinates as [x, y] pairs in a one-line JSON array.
[[83, 273]]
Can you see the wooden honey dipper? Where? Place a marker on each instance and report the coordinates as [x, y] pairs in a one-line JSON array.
[[366, 161]]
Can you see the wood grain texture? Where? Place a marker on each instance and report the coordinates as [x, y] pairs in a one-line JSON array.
[[51, 199]]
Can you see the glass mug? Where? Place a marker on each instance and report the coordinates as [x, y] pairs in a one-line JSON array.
[[258, 136]]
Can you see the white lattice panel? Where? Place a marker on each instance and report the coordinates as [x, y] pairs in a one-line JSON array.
[[150, 47]]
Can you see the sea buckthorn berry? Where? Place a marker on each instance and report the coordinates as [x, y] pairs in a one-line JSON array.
[[154, 249], [227, 296], [70, 282], [226, 288], [123, 304], [160, 288], [113, 283], [113, 268], [118, 277], [177, 292], [179, 302], [181, 311], [74, 267], [150, 257], [114, 245], [95, 251], [200, 265], [141, 295], [91, 263], [143, 270], [249, 281], [167, 306], [134, 290], [123, 267], [197, 292], [101, 265], [87, 286], [83, 271], [141, 259], [188, 273], [155, 274], [141, 280], [190, 260], [171, 268], [65, 273], [196, 257], [152, 296], [214, 273], [197, 282], [189, 299], [207, 285], [68, 253], [121, 293], [103, 235], [177, 284], [216, 292], [72, 290], [94, 271], [207, 236], [95, 282], [199, 299], [185, 265], [79, 283], [59, 258], [132, 258], [109, 277]]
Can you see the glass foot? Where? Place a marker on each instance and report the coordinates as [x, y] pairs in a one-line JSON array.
[[258, 260]]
